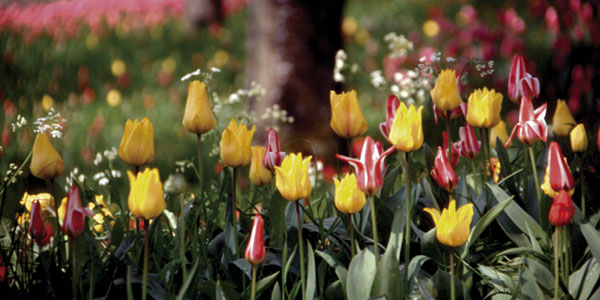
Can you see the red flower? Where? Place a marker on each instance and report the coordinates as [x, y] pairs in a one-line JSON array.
[[391, 107], [455, 148], [442, 172], [369, 169], [74, 219], [49, 234], [37, 228], [273, 157], [469, 145], [255, 251], [532, 126], [521, 83], [562, 209], [558, 171]]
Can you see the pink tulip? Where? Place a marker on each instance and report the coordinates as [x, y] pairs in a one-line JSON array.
[[255, 250], [37, 228], [273, 157], [531, 127], [391, 107], [74, 219], [442, 171], [559, 173], [521, 83], [469, 145]]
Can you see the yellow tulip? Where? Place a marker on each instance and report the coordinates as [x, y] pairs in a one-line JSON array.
[[579, 140], [484, 108], [146, 194], [347, 119], [137, 144], [349, 198], [498, 131], [235, 144], [562, 121], [45, 200], [292, 179], [259, 175], [198, 117], [452, 227], [407, 129], [445, 94], [46, 163], [547, 189]]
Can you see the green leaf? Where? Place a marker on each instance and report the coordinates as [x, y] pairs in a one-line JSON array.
[[187, 282], [335, 290], [529, 288], [415, 265], [220, 294], [360, 276], [395, 242], [485, 221], [442, 281], [276, 293], [388, 279], [388, 183], [311, 282], [542, 275], [431, 248], [264, 283], [592, 236], [429, 193], [583, 281], [339, 269], [502, 282]]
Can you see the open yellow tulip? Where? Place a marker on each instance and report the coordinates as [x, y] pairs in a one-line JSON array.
[[452, 227], [484, 108], [235, 144], [292, 179], [445, 94]]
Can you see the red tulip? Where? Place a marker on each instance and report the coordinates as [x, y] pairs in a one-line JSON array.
[[391, 107], [455, 149], [521, 83], [558, 171], [273, 157], [562, 209], [369, 169], [469, 145], [74, 219], [255, 251], [532, 126], [457, 112], [37, 228], [49, 234], [442, 172]]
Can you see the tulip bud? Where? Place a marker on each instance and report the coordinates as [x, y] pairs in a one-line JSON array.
[[235, 144], [74, 220], [46, 163], [198, 117], [559, 172], [442, 171], [484, 108], [37, 228], [562, 121], [407, 131], [273, 155], [292, 179], [521, 83], [146, 194], [347, 119], [452, 227], [446, 94], [547, 189], [137, 144], [391, 107], [255, 250], [498, 131], [259, 175], [349, 198], [562, 209], [579, 141]]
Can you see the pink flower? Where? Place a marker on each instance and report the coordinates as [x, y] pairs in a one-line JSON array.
[[532, 126], [468, 144], [442, 171], [75, 215], [521, 83], [273, 157], [255, 250], [391, 107], [37, 228]]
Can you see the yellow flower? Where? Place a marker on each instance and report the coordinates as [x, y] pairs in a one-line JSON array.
[[579, 140], [292, 179], [349, 198], [146, 194], [498, 131], [347, 118], [445, 94], [562, 121], [118, 68], [46, 163], [47, 102], [452, 227], [547, 189], [259, 175], [137, 144], [113, 98], [62, 209], [484, 108], [431, 28], [198, 117], [407, 129], [235, 144], [45, 200]]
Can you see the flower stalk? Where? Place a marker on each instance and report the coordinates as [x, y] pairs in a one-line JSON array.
[[408, 211], [374, 227], [145, 268], [541, 220], [301, 246], [452, 287]]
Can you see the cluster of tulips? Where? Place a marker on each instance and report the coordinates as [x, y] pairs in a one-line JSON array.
[[402, 129]]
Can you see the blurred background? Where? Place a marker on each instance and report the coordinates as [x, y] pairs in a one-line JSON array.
[[269, 63]]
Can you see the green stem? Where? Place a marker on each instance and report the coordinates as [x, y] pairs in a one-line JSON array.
[[58, 234], [75, 279], [145, 270], [582, 183], [182, 236], [449, 128], [200, 171], [252, 295], [537, 184], [374, 227], [301, 245], [351, 229], [234, 208], [556, 278], [408, 211], [452, 288]]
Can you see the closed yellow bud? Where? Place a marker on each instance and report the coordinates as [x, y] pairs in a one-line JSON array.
[[579, 140], [445, 94], [146, 194], [292, 179], [198, 117], [46, 163], [484, 108], [235, 144], [452, 227], [407, 129], [349, 198], [259, 175], [137, 144], [562, 121], [498, 131], [347, 119]]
